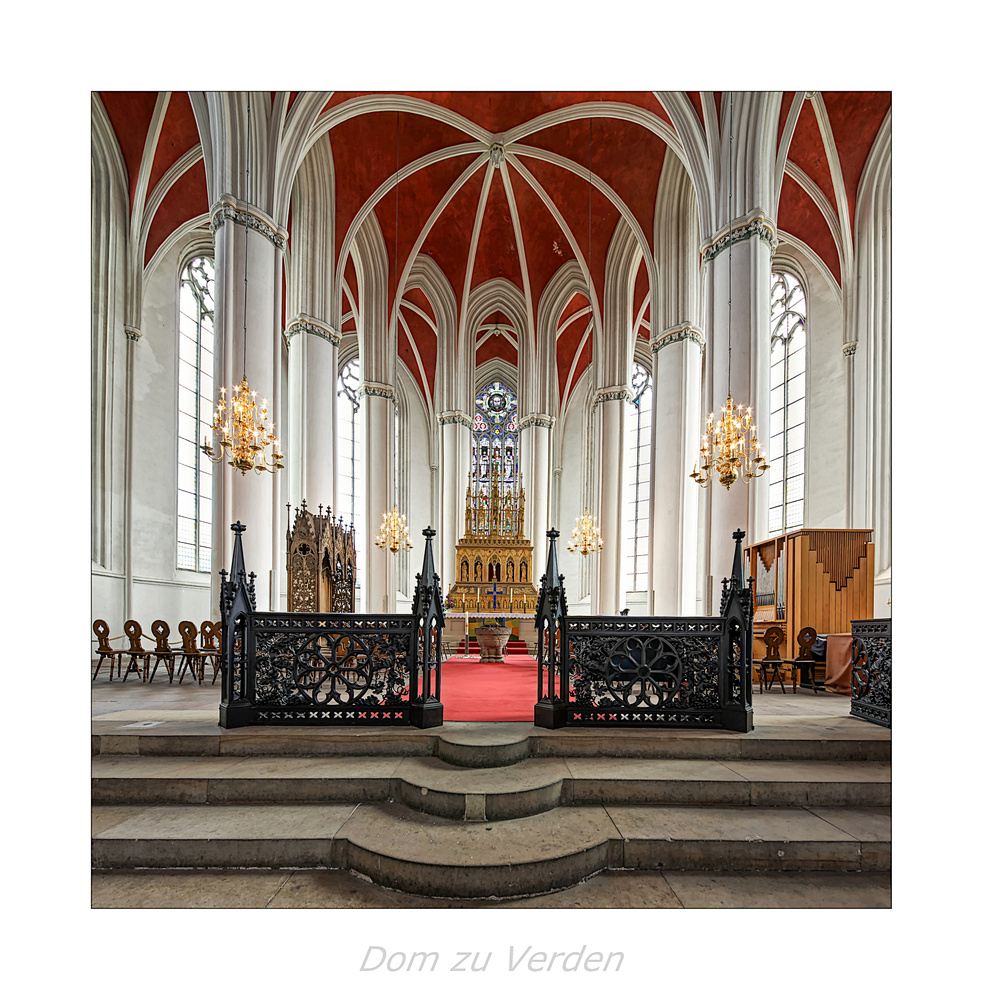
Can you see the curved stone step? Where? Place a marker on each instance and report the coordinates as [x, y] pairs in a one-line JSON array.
[[434, 856], [431, 855], [475, 744], [442, 789]]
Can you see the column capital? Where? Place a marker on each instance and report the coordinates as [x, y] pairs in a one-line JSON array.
[[679, 334], [753, 225], [609, 394], [376, 389], [132, 333], [227, 209], [536, 420], [455, 417], [850, 349], [305, 324]]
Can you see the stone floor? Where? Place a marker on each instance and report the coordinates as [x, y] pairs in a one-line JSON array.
[[333, 889]]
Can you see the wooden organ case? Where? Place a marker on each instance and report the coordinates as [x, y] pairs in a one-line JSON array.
[[320, 562], [819, 577]]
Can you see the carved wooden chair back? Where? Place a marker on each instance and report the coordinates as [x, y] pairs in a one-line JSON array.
[[804, 661], [104, 649], [136, 652], [211, 645], [162, 652], [191, 655], [770, 665]]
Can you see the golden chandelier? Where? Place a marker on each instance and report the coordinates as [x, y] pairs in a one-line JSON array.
[[725, 450], [393, 534], [244, 433], [586, 536]]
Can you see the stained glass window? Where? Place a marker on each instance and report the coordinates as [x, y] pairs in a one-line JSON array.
[[786, 452], [496, 436], [196, 341]]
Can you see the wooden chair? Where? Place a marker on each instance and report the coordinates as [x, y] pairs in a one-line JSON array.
[[105, 651], [191, 655], [136, 652], [772, 662], [804, 661], [163, 653], [211, 645]]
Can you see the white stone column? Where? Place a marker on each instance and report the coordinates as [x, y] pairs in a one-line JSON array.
[[746, 280], [377, 576], [677, 358], [313, 391], [610, 406], [536, 429], [247, 498]]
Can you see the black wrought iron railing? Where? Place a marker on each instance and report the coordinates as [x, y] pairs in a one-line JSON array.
[[870, 678], [282, 668], [655, 671]]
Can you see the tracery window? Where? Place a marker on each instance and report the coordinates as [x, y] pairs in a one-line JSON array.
[[349, 472], [196, 341], [786, 452], [637, 483], [496, 436]]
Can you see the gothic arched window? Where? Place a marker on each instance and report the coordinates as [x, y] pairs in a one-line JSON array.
[[637, 483], [787, 419], [196, 341], [348, 499]]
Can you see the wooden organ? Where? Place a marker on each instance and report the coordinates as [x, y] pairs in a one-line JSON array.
[[818, 577]]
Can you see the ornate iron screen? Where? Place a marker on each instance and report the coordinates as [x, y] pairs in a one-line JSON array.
[[618, 671], [870, 679], [301, 668]]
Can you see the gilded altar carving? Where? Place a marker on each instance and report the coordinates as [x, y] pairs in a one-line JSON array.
[[494, 558], [320, 562]]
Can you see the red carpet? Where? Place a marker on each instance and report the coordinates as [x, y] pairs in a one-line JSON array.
[[472, 691]]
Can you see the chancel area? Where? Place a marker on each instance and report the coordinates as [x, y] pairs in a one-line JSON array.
[[598, 368]]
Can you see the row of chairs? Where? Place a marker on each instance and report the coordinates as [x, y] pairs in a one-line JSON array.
[[770, 666], [176, 658]]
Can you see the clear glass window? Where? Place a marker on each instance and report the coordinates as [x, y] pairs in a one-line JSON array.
[[195, 409], [788, 404], [637, 483]]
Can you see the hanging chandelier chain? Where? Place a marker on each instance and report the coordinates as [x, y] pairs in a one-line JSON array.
[[730, 242], [243, 430], [725, 450], [245, 242]]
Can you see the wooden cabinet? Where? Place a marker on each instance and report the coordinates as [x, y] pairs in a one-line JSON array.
[[823, 577]]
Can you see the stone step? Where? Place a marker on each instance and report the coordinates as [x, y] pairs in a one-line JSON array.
[[434, 856], [500, 744], [431, 785]]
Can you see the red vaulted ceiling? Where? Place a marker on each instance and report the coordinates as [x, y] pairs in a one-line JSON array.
[[628, 157]]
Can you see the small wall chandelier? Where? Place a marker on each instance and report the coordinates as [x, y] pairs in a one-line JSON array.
[[393, 533], [725, 450], [586, 536], [242, 431]]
